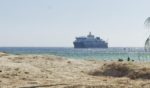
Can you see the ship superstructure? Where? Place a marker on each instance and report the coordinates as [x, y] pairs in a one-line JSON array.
[[90, 41]]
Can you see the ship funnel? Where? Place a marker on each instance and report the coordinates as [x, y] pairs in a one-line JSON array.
[[90, 33]]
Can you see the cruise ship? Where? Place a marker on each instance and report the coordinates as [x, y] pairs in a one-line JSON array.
[[90, 41]]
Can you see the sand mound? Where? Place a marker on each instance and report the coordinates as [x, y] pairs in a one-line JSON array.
[[143, 73], [121, 69], [3, 54], [118, 69]]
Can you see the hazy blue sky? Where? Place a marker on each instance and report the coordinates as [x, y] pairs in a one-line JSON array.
[[58, 22]]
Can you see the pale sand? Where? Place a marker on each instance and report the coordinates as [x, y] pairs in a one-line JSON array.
[[35, 71]]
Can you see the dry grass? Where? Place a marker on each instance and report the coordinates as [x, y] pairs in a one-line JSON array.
[[143, 73], [122, 69]]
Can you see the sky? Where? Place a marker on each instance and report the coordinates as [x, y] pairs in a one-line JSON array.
[[56, 23]]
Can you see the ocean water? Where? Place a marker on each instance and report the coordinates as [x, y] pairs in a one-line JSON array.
[[113, 53]]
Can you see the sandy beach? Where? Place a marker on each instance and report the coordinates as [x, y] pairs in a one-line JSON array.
[[41, 71]]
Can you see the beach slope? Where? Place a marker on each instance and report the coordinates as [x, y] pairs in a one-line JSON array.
[[42, 71]]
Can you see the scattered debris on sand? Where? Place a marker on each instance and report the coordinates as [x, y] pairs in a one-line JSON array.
[[42, 71]]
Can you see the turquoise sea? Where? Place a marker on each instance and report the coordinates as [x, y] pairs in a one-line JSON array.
[[113, 53]]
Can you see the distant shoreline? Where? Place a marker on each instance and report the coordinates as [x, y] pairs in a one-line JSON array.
[[136, 54]]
